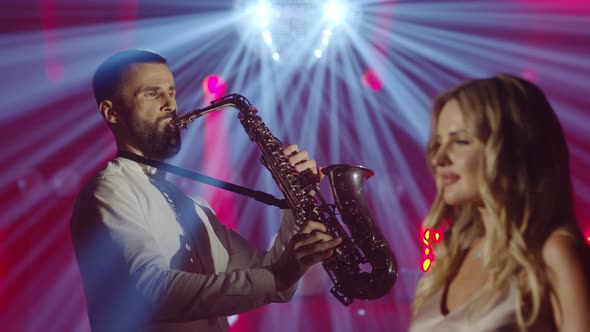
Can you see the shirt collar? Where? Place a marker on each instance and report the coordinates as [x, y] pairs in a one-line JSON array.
[[150, 171]]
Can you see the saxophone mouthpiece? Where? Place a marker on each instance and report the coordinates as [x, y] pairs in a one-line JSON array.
[[181, 121], [176, 124]]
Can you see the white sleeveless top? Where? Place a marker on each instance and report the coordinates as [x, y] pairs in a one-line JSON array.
[[500, 317]]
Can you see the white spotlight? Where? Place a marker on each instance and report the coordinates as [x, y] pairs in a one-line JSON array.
[[263, 9], [288, 27], [335, 12], [263, 12]]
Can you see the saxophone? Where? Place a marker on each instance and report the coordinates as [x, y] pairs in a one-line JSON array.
[[348, 266]]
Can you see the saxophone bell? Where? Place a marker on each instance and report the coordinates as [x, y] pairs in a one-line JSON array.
[[368, 246]]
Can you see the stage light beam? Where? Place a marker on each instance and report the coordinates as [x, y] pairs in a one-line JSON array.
[[267, 37]]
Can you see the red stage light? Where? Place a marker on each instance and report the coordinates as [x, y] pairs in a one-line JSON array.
[[429, 236]]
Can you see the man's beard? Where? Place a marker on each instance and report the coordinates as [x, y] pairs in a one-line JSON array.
[[154, 141]]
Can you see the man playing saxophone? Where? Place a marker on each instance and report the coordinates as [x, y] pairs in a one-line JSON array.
[[150, 256]]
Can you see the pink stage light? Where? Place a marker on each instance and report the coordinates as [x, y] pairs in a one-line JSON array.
[[529, 74], [216, 148], [54, 72], [560, 2], [213, 85], [371, 80]]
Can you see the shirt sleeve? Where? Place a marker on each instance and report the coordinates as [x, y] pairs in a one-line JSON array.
[[242, 255], [120, 263]]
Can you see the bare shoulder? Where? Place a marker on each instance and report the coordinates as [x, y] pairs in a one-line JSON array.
[[566, 257], [565, 250]]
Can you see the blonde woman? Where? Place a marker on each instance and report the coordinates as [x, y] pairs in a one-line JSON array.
[[512, 257]]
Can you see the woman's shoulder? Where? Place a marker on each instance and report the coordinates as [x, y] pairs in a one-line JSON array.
[[567, 260], [565, 250], [564, 246]]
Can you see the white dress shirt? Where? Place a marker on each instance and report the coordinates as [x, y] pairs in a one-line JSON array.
[[153, 258]]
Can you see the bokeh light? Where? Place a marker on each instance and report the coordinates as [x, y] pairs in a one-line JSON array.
[[371, 80], [429, 237], [214, 86]]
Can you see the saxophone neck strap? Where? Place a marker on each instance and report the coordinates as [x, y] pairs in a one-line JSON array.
[[257, 195]]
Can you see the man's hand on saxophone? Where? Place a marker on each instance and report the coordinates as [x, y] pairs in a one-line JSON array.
[[306, 248], [311, 244], [302, 164]]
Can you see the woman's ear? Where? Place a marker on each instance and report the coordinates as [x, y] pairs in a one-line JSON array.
[[108, 112]]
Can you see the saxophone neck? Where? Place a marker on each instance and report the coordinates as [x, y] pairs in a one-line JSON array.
[[232, 100]]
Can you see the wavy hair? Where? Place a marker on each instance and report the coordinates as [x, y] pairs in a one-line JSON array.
[[525, 186]]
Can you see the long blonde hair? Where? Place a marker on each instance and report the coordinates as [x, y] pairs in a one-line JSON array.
[[525, 186]]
